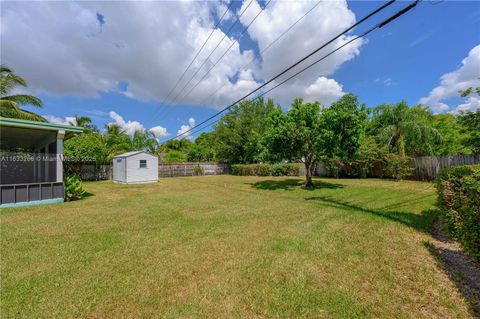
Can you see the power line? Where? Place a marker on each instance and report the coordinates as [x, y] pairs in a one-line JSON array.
[[294, 75], [377, 26], [216, 47], [264, 50], [385, 5], [225, 53], [199, 50], [159, 111]]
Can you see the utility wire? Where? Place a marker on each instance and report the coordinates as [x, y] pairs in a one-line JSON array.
[[216, 47], [382, 7], [199, 50], [226, 51], [158, 112], [378, 26], [263, 51]]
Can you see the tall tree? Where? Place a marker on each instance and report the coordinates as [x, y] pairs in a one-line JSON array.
[[453, 134], [343, 128], [202, 150], [296, 135], [86, 123], [10, 104], [471, 123], [400, 126], [144, 141], [116, 140], [238, 134]]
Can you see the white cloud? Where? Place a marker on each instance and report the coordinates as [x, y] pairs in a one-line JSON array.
[[467, 75], [69, 120], [324, 90], [471, 104], [150, 53], [184, 128], [130, 127], [159, 131]]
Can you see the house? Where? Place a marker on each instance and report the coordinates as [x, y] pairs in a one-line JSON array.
[[31, 162], [135, 167]]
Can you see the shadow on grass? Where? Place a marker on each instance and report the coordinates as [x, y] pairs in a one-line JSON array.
[[290, 184], [87, 194], [422, 222]]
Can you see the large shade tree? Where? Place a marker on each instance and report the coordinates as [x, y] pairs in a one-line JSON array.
[[10, 104], [295, 135], [343, 128]]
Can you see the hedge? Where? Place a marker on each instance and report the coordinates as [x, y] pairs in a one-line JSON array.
[[265, 169], [458, 191]]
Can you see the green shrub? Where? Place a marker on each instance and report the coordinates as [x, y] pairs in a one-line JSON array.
[[397, 167], [198, 170], [73, 187], [458, 191], [262, 169], [278, 170], [290, 169], [239, 169]]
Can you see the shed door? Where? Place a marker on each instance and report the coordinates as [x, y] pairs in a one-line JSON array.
[[120, 169]]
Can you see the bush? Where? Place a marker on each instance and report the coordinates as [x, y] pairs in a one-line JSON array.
[[198, 170], [261, 169], [458, 191], [265, 169], [73, 187], [291, 169], [397, 167]]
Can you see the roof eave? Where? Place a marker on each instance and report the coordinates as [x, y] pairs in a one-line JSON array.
[[39, 125]]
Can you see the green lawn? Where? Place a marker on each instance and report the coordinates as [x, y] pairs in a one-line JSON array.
[[227, 246]]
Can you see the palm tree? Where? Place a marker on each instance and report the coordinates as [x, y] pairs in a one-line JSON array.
[[144, 141], [116, 140], [86, 123], [10, 104], [395, 125]]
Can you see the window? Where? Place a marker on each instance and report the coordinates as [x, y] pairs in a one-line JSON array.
[[119, 160], [143, 163]]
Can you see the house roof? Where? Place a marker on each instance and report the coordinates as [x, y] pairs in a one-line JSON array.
[[131, 154], [39, 125]]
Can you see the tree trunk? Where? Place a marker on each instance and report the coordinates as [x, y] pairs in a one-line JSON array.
[[401, 145], [309, 173]]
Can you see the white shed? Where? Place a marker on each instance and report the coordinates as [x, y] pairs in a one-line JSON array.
[[135, 167]]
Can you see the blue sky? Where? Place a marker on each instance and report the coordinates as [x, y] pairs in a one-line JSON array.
[[86, 76]]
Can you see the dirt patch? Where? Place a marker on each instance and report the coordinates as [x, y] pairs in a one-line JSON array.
[[460, 268]]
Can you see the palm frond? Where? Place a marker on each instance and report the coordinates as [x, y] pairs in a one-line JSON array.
[[21, 114], [9, 81], [23, 99], [6, 105]]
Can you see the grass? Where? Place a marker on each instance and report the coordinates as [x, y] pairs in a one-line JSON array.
[[227, 246]]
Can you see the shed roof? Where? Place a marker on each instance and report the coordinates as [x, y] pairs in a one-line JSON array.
[[128, 154], [4, 121]]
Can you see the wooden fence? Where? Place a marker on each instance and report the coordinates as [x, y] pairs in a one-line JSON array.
[[427, 167], [90, 171], [424, 167], [189, 169]]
